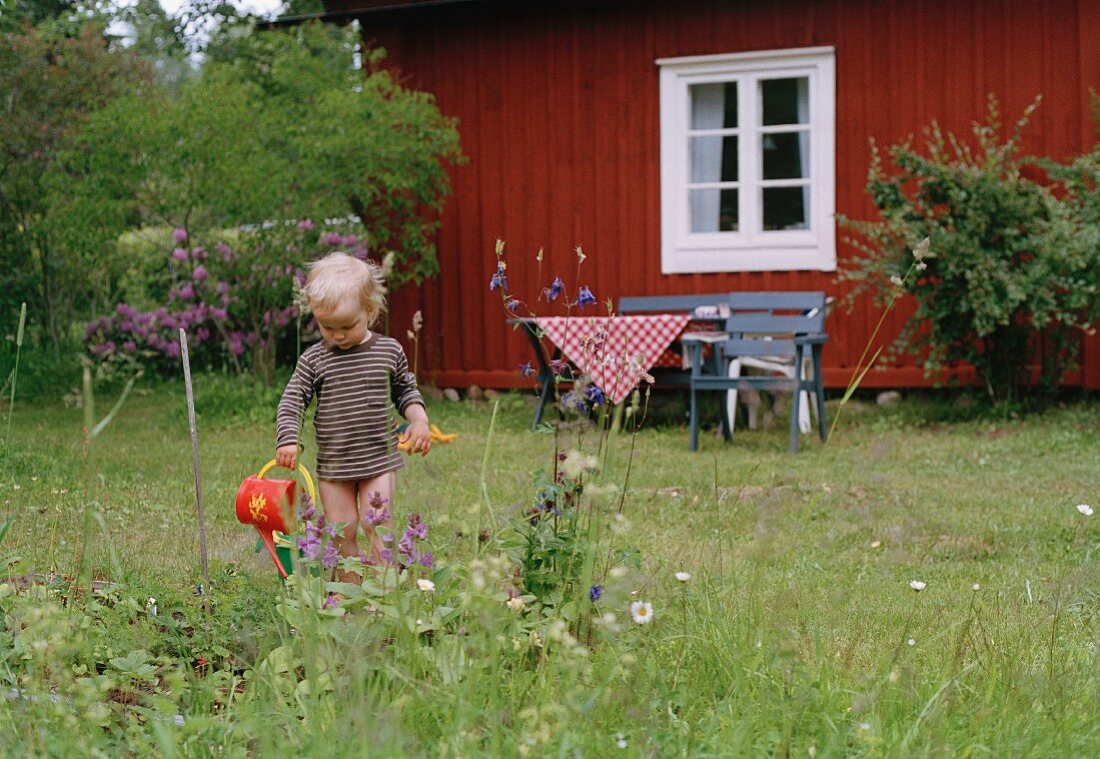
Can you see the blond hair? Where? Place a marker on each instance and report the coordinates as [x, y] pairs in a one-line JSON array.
[[338, 277]]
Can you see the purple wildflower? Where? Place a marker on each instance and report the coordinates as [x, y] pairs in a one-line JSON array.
[[557, 366], [556, 288], [329, 602], [585, 297], [306, 508], [499, 279], [386, 555], [305, 225], [595, 592], [180, 254], [526, 370], [310, 545], [418, 527], [179, 234], [594, 395], [199, 274], [187, 292], [375, 500], [199, 253], [128, 311], [426, 560], [375, 517], [331, 557], [331, 238], [129, 346], [512, 304], [406, 547]]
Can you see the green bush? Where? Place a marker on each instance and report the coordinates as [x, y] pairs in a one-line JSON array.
[[1012, 272]]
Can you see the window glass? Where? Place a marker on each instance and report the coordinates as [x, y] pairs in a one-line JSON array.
[[785, 101], [714, 106], [785, 155], [786, 208], [713, 210], [714, 159]]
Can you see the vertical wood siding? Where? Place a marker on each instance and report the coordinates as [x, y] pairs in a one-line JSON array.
[[558, 110]]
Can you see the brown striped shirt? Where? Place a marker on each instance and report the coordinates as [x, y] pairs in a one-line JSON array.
[[356, 391]]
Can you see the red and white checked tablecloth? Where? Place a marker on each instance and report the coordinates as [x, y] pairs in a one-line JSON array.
[[613, 351]]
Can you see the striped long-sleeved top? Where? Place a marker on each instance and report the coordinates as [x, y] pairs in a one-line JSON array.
[[356, 431]]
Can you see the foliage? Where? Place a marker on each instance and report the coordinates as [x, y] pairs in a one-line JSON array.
[[51, 84], [1012, 276], [238, 300], [791, 633], [252, 140]]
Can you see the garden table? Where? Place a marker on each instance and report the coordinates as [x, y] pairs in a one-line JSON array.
[[615, 352]]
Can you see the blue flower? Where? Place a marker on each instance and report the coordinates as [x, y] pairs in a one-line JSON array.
[[594, 395], [556, 288], [585, 297], [498, 280], [595, 592], [526, 369]]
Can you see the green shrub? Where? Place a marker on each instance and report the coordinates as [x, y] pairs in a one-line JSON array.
[[1011, 276]]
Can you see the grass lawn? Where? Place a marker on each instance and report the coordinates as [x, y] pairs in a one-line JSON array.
[[796, 634]]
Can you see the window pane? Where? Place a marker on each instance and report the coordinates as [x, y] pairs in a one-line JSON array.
[[786, 155], [714, 106], [713, 210], [785, 101], [786, 207], [713, 159]]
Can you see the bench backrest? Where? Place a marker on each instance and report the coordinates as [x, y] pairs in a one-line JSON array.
[[776, 313], [765, 323], [641, 304]]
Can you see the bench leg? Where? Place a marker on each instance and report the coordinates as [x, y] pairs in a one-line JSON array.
[[544, 396], [693, 434], [796, 405], [819, 391]]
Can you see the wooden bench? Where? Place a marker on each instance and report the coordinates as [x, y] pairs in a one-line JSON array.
[[781, 333]]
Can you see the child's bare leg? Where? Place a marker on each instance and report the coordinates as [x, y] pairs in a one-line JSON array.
[[338, 499], [383, 485]]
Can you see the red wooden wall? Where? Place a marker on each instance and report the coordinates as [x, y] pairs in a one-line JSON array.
[[558, 110]]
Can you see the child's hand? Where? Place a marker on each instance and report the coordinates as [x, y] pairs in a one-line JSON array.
[[417, 438], [286, 456]]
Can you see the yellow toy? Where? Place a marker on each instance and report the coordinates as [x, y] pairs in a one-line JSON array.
[[438, 436]]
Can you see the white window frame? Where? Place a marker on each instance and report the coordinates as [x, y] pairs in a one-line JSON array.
[[750, 248]]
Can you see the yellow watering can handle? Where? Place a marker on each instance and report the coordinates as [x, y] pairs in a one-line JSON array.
[[305, 475]]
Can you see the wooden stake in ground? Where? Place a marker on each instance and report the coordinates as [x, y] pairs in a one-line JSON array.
[[195, 460]]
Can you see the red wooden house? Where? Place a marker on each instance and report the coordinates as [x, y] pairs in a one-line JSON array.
[[575, 115]]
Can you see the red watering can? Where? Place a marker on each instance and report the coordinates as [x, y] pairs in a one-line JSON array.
[[268, 505]]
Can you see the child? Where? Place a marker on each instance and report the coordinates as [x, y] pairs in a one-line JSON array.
[[355, 374]]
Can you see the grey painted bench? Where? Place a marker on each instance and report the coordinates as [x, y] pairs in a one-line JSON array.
[[780, 332]]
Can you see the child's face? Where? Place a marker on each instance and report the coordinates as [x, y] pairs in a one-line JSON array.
[[344, 326]]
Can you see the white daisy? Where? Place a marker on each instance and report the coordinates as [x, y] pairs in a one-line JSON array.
[[917, 585], [642, 612], [425, 585], [683, 576], [1085, 509]]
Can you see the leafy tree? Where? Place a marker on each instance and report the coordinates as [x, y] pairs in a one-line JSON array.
[[51, 84], [286, 128], [1013, 269]]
